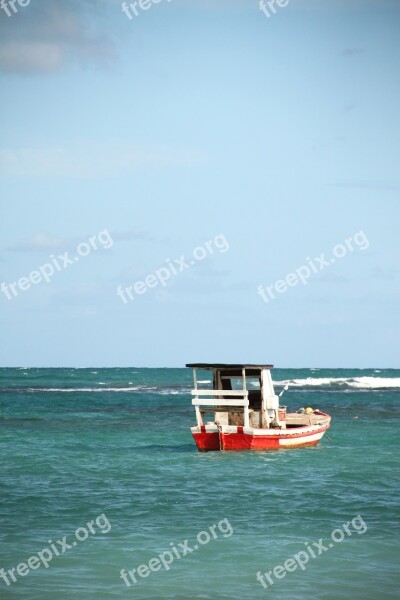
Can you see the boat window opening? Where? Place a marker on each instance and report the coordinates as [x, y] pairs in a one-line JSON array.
[[236, 383], [208, 417], [226, 383], [203, 380], [253, 385], [255, 399]]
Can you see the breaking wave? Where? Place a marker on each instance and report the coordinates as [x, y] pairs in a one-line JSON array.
[[368, 383], [72, 390], [164, 391]]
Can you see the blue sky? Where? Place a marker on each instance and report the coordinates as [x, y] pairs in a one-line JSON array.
[[193, 120]]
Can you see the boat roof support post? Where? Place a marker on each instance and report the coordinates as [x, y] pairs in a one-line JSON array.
[[195, 378], [198, 416], [246, 422], [217, 379]]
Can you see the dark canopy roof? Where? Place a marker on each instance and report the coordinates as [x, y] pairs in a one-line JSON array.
[[227, 366]]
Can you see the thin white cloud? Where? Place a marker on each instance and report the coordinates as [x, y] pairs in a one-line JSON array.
[[30, 56], [384, 273], [379, 186], [131, 236], [93, 160], [349, 107], [349, 52], [40, 243]]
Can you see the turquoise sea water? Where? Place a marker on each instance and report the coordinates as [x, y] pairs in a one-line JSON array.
[[80, 443]]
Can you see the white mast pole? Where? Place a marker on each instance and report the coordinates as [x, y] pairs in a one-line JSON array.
[[264, 416]]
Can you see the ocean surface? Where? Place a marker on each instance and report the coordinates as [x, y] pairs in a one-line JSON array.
[[113, 448]]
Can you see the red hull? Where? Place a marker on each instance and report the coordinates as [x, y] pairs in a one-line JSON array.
[[239, 440], [248, 442], [207, 441]]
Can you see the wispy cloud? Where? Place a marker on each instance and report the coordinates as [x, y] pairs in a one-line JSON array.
[[349, 52], [44, 243], [346, 108], [378, 186], [132, 236], [28, 56], [93, 159], [46, 35], [40, 243], [332, 278], [384, 273]]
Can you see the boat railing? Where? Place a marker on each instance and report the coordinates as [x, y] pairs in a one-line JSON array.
[[220, 392], [223, 400]]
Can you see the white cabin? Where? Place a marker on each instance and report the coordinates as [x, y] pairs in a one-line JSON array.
[[241, 395]]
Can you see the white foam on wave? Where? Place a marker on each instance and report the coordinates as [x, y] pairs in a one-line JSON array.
[[375, 382], [71, 390], [353, 382], [152, 390], [312, 381], [170, 392]]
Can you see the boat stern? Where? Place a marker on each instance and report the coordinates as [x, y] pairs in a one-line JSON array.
[[206, 437]]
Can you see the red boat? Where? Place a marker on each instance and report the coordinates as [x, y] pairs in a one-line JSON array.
[[248, 419]]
